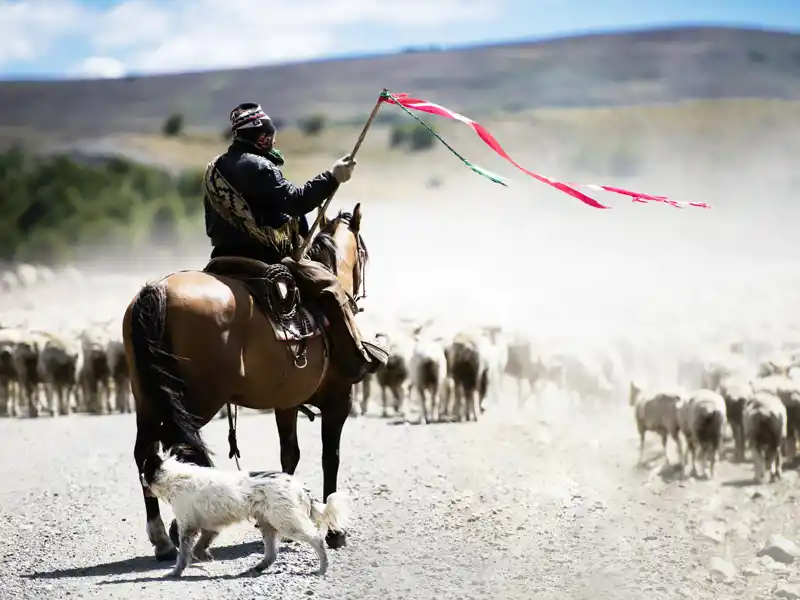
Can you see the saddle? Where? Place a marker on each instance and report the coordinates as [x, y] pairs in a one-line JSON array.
[[275, 292]]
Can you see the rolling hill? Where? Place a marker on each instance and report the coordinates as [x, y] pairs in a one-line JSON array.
[[609, 69]]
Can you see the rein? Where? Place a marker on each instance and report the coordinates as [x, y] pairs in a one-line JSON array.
[[360, 270]]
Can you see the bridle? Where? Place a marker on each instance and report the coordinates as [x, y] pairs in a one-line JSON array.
[[359, 269]]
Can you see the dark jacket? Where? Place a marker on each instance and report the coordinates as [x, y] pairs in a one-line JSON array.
[[272, 199]]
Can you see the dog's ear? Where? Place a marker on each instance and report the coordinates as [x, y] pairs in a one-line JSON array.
[[152, 462], [182, 452]]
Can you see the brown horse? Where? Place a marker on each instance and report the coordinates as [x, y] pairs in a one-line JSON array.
[[195, 341]]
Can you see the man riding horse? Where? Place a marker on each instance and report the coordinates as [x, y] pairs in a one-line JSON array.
[[247, 179]]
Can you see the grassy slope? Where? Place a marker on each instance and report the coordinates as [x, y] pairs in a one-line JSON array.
[[614, 69]]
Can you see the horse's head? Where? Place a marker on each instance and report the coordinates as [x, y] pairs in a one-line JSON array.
[[341, 248]]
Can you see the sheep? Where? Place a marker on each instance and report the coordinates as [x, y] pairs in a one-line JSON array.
[[468, 371], [521, 365], [735, 392], [765, 431], [496, 351], [428, 374], [393, 376], [57, 367], [27, 275], [659, 413], [9, 282], [361, 394], [94, 376], [9, 392], [25, 358], [117, 365], [582, 375], [778, 364], [702, 418], [788, 390]]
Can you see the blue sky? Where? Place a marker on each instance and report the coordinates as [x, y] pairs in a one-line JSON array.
[[109, 38]]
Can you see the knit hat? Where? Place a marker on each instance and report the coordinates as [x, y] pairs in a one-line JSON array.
[[250, 115]]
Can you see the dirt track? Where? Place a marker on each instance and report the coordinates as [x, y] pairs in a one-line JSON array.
[[516, 506]]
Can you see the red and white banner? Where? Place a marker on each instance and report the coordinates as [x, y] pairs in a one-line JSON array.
[[568, 188]]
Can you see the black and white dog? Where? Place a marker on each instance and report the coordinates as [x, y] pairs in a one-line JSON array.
[[205, 500]]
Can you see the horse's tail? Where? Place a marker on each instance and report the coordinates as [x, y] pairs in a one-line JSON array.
[[158, 372]]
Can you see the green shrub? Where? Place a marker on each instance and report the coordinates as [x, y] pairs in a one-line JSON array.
[[173, 126], [50, 206], [412, 137], [313, 125]]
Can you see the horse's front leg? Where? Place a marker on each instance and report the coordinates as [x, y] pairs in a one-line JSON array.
[[286, 420], [334, 414]]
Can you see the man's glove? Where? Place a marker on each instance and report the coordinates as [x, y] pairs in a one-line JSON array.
[[343, 169]]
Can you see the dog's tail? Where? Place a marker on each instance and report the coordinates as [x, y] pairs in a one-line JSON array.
[[333, 515], [157, 371]]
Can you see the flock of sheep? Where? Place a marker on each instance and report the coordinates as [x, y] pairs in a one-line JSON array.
[[53, 365], [444, 371], [50, 372], [760, 403], [452, 374]]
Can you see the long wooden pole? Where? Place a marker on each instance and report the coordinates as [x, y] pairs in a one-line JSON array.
[[321, 212]]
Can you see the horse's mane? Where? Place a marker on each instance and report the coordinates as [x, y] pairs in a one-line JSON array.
[[323, 247], [323, 250]]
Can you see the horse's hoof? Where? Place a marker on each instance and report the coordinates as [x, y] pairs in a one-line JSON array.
[[173, 533], [166, 555], [336, 539]]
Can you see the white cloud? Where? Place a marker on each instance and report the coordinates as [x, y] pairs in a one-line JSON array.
[[29, 30], [97, 67], [195, 34], [150, 36]]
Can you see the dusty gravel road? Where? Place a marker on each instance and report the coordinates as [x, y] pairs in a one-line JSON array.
[[520, 505]]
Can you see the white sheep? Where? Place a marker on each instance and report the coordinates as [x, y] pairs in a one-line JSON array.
[[428, 374], [657, 412], [736, 392], [702, 418], [788, 390], [523, 365], [765, 430], [58, 371]]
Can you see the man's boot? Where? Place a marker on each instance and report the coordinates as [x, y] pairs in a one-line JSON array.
[[353, 356]]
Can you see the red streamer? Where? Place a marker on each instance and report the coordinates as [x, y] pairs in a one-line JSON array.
[[489, 140]]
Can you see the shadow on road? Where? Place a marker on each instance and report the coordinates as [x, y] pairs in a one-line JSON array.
[[742, 483], [141, 564]]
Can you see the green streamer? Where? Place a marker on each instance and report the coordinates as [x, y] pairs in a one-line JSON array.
[[475, 168]]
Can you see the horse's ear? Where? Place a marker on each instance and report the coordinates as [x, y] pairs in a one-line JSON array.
[[355, 220]]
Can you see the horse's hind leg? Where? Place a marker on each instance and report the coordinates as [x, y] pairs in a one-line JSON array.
[[286, 420], [156, 532]]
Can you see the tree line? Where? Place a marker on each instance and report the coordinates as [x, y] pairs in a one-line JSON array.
[[52, 206]]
